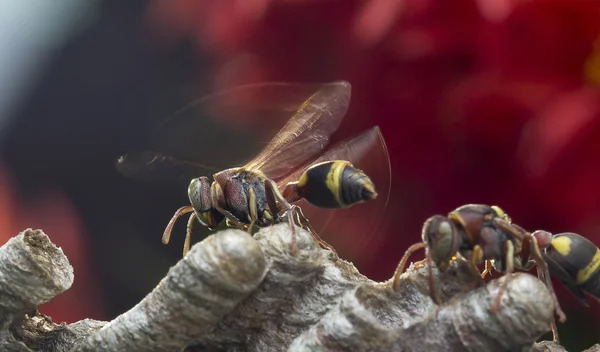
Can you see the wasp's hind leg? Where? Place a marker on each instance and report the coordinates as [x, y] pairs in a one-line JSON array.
[[544, 275], [277, 205], [304, 223]]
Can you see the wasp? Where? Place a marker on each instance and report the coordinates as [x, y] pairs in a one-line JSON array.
[[295, 165], [480, 233], [573, 260]]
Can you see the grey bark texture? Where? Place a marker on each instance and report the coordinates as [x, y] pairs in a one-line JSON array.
[[235, 292]]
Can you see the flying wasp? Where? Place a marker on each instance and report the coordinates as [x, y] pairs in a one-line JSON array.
[[480, 233], [297, 164]]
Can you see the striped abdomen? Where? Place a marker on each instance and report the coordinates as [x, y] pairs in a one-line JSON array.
[[335, 184]]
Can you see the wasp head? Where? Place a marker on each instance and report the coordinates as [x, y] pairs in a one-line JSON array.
[[442, 240], [199, 193]]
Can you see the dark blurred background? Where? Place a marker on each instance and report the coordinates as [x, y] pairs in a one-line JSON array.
[[493, 102]]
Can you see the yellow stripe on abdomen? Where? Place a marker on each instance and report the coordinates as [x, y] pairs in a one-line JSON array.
[[562, 244], [584, 274], [334, 180]]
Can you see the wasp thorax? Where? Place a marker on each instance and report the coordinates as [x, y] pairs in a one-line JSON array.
[[441, 237], [500, 212], [199, 194]]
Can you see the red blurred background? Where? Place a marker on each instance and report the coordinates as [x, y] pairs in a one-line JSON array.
[[493, 102]]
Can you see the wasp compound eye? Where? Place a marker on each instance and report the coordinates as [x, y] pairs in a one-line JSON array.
[[199, 194], [441, 238]]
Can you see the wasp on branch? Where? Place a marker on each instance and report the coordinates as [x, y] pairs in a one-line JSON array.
[[482, 233], [296, 165]]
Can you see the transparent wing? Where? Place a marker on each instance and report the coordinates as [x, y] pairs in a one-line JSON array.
[[155, 167], [352, 230], [231, 127], [307, 133]]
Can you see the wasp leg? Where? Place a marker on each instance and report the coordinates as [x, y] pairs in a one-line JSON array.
[[274, 207], [488, 269], [521, 239], [415, 247], [230, 218], [277, 203], [402, 264], [530, 243], [181, 211], [188, 234], [303, 221], [476, 257], [512, 231], [544, 275], [290, 217], [546, 278], [253, 211], [509, 250], [432, 291]]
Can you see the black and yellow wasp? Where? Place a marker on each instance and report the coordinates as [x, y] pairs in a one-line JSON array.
[[486, 234], [297, 164]]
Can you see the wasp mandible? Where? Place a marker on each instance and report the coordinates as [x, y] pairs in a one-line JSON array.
[[297, 164]]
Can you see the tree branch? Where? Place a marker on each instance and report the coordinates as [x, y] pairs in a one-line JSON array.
[[194, 296], [33, 271], [233, 292]]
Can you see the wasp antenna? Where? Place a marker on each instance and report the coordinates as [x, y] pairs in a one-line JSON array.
[[181, 211], [402, 264]]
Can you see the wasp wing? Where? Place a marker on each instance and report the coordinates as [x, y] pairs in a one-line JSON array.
[[353, 231], [230, 127], [153, 167], [307, 133]]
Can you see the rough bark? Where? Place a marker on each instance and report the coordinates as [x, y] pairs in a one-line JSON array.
[[235, 292], [32, 272]]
